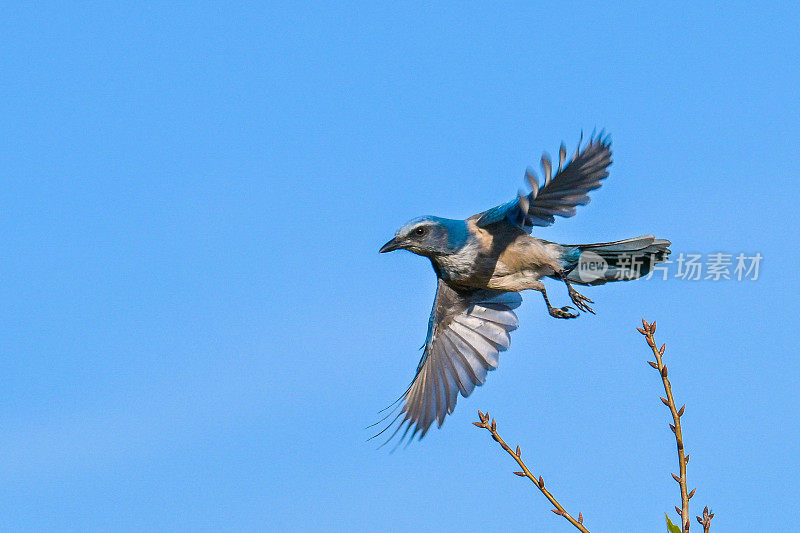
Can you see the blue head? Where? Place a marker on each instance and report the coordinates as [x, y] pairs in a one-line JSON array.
[[430, 236]]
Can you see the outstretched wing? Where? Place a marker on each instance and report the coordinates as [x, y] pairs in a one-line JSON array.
[[560, 194], [466, 332]]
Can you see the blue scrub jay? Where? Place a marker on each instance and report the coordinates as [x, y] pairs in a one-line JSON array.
[[482, 263]]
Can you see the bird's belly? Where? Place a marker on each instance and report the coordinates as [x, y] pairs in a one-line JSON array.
[[529, 254], [524, 262], [512, 268], [517, 281]]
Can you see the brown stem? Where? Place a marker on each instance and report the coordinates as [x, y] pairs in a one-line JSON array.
[[648, 330], [705, 521], [559, 509]]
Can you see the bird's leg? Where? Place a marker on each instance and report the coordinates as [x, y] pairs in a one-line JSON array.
[[557, 312], [580, 301]]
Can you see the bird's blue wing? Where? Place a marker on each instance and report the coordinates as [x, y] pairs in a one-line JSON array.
[[466, 332], [560, 193]]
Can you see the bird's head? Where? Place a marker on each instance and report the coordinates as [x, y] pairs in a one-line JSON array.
[[429, 236]]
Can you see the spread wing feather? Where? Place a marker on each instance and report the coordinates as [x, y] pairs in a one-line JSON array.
[[467, 331], [561, 193]]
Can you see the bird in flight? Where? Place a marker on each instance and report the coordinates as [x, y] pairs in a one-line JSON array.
[[484, 262]]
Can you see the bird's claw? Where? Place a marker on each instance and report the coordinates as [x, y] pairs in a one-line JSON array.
[[562, 312], [581, 301]]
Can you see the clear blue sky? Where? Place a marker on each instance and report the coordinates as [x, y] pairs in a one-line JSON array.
[[196, 326]]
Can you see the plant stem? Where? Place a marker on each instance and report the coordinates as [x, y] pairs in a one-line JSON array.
[[648, 330], [517, 455]]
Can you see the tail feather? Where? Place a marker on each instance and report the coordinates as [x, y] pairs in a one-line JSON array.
[[623, 260]]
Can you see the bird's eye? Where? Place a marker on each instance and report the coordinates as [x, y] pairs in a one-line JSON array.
[[420, 231]]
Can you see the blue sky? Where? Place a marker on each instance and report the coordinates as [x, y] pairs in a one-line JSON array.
[[196, 324]]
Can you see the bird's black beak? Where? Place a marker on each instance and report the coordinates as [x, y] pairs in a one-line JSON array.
[[390, 246]]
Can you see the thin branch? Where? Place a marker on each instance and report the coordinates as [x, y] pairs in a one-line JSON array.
[[705, 521], [517, 455], [649, 330]]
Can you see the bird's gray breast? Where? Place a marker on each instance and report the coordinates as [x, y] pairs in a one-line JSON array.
[[510, 267], [468, 266]]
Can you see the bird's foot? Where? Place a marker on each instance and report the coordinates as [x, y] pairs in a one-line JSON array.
[[561, 312], [581, 301]]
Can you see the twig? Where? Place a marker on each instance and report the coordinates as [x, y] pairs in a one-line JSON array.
[[517, 455], [649, 330], [705, 521]]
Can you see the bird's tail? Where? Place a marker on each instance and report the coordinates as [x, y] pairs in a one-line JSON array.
[[595, 264]]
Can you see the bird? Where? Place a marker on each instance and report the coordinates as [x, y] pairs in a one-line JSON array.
[[482, 264]]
